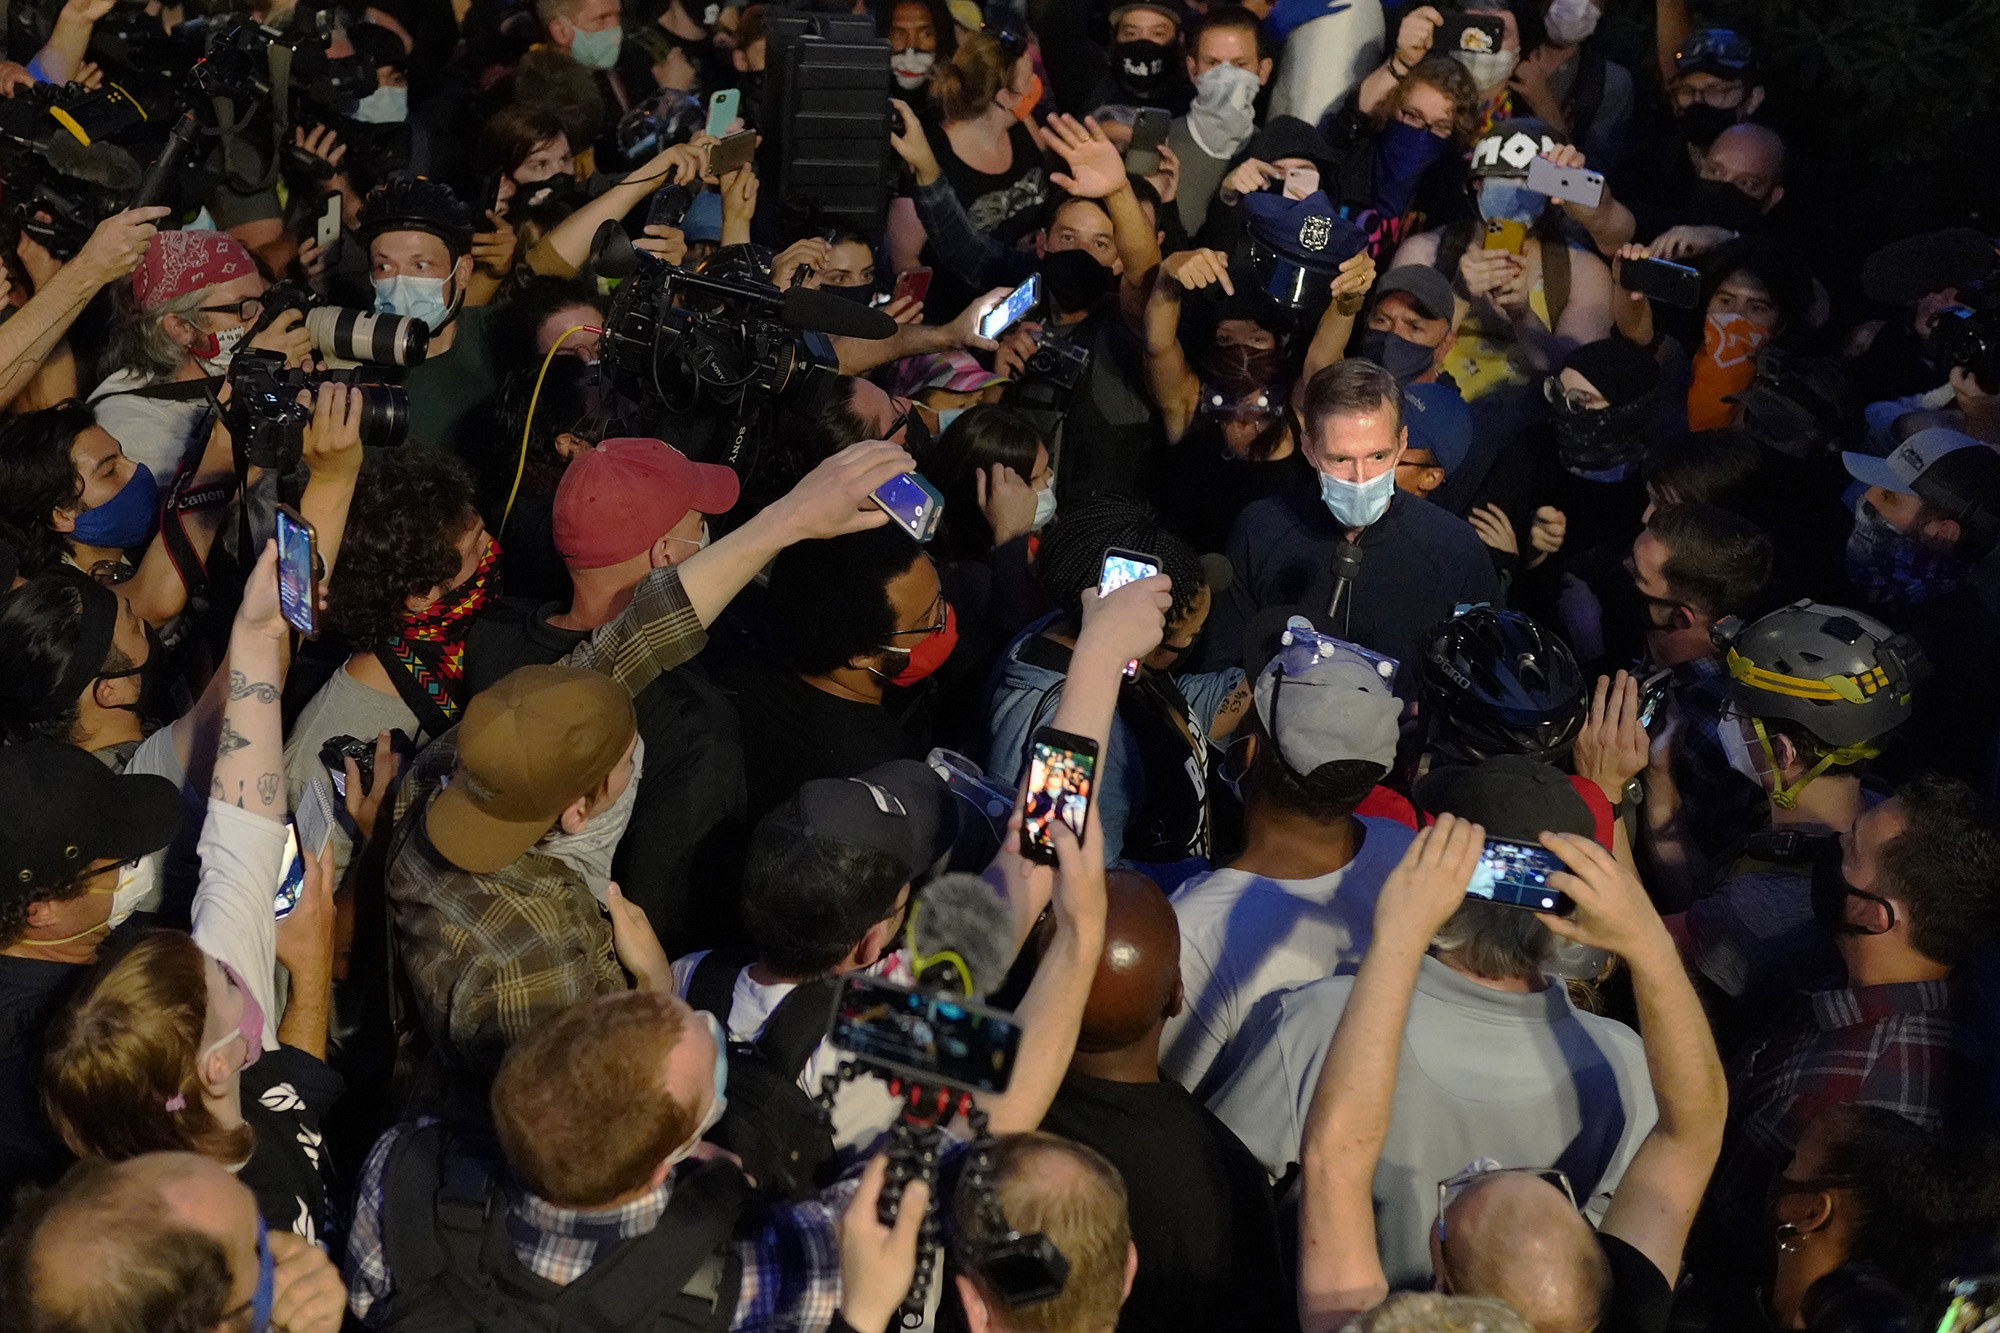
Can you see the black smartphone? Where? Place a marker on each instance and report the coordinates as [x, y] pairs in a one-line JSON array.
[[731, 153], [1149, 131], [298, 568], [1471, 33], [935, 1039], [489, 200], [1062, 778], [1517, 875], [1675, 284], [1653, 693]]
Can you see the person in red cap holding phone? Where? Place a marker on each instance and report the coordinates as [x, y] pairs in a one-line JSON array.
[[623, 509]]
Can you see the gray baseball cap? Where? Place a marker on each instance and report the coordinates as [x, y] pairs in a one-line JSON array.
[[1424, 285], [1324, 700]]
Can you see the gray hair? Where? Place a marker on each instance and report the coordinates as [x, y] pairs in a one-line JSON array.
[[1495, 941], [139, 338]]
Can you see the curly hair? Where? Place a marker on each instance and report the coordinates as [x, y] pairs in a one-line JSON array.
[[1452, 79], [828, 599], [1071, 557], [14, 907], [37, 477], [410, 508], [1945, 865], [127, 1047]]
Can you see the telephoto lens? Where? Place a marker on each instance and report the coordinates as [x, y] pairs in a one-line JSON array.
[[385, 415], [357, 336]]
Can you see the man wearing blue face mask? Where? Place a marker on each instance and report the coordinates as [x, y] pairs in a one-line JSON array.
[[419, 239], [141, 1244], [1383, 563]]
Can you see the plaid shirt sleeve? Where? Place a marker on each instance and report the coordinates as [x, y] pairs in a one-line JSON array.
[[655, 634], [366, 1266], [791, 1265]]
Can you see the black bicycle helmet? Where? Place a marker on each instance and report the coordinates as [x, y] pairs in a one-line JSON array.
[[417, 203], [1495, 682]]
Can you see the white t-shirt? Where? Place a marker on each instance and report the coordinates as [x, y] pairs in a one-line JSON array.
[[1244, 937], [863, 1109], [234, 908]]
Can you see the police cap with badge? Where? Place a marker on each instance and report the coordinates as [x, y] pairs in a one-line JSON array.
[[1298, 245]]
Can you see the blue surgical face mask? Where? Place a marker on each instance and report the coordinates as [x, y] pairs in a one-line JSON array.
[[267, 1274], [1356, 504], [414, 298], [1045, 506], [945, 415], [1502, 200], [126, 519], [384, 106], [597, 50]]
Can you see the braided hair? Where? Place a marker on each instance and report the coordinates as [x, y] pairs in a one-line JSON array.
[[1073, 546]]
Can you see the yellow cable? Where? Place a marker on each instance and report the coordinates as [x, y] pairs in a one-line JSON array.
[[521, 466]]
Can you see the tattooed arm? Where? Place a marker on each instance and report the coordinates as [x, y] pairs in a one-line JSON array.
[[250, 751]]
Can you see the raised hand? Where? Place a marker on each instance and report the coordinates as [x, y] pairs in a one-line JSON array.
[[1429, 883], [1096, 167]]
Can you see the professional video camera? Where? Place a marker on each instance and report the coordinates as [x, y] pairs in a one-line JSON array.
[[63, 178], [1967, 336], [698, 344]]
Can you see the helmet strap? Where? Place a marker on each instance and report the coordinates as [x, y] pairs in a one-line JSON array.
[[1786, 797]]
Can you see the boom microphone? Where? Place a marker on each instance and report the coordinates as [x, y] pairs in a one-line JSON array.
[[961, 914], [153, 189], [804, 308]]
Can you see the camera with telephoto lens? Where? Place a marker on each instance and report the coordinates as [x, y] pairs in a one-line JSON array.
[[267, 422], [1967, 336], [63, 174], [700, 344], [346, 338]]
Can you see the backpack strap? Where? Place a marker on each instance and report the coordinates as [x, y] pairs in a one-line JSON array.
[[1555, 277], [684, 1274], [712, 984], [797, 1026], [441, 1213]]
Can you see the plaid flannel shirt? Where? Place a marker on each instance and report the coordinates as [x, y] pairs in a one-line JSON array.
[[790, 1252], [489, 955], [1721, 806], [1889, 1046]]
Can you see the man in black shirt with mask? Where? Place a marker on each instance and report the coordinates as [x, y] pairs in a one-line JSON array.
[[1712, 84]]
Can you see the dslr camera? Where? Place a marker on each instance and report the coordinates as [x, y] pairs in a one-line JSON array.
[[267, 422], [346, 338], [1967, 337]]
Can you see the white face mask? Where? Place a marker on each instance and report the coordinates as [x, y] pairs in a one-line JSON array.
[[226, 342], [1223, 116], [1045, 506], [384, 106], [1571, 21], [1489, 69], [588, 851], [138, 889]]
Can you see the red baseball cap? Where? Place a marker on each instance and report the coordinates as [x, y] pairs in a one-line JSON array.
[[624, 495]]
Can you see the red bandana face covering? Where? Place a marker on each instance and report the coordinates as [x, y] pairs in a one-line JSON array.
[[431, 648]]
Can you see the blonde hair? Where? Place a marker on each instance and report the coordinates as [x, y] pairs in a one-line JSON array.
[[120, 1075], [1076, 1198], [977, 72]]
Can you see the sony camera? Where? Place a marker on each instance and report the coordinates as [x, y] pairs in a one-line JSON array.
[[267, 422], [63, 175]]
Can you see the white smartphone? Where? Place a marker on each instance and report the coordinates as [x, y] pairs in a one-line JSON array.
[[327, 230], [1572, 185]]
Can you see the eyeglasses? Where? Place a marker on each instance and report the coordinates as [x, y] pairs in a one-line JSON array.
[[246, 309], [1414, 119], [1449, 1190], [1576, 400], [935, 609]]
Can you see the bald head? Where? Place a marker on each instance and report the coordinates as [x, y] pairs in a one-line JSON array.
[[1516, 1237], [156, 1241], [1752, 158], [1138, 982]]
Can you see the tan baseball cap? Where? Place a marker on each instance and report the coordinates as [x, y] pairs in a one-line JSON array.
[[528, 747]]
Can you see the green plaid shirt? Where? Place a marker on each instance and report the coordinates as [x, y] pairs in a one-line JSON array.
[[487, 956]]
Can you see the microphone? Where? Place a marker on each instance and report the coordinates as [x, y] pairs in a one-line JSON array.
[[153, 189], [101, 164], [805, 308], [960, 914]]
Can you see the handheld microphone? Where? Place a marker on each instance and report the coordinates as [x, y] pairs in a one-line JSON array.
[[153, 189]]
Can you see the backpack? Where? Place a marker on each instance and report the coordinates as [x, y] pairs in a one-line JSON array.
[[777, 1128], [446, 1244]]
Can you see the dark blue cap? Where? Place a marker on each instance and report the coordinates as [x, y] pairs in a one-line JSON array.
[[1300, 244], [1438, 420]]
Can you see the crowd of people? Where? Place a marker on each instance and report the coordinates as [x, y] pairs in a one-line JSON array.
[[512, 813]]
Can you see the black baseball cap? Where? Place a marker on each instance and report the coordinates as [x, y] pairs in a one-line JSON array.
[[1428, 289], [61, 809], [1511, 795], [901, 808]]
